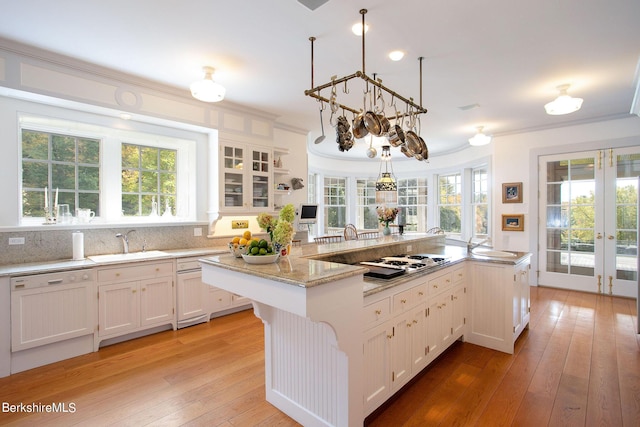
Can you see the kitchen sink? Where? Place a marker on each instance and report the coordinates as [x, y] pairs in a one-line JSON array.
[[133, 256], [493, 253]]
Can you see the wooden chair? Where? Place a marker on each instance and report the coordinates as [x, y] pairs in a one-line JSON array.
[[350, 232], [328, 239], [435, 230], [365, 235]]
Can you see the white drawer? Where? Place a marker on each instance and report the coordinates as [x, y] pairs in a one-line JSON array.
[[376, 312], [459, 275], [439, 284], [402, 301], [135, 272]]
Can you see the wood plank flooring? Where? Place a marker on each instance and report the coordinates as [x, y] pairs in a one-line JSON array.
[[577, 365]]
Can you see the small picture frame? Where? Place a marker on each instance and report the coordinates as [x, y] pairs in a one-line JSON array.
[[512, 192], [513, 222]]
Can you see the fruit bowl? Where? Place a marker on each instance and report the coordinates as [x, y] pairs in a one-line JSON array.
[[238, 250], [261, 259]]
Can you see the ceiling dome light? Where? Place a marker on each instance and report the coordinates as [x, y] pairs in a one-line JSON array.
[[563, 104], [207, 90], [479, 138], [357, 29], [396, 55]]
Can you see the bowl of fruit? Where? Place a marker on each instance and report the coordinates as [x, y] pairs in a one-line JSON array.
[[239, 245], [260, 252]]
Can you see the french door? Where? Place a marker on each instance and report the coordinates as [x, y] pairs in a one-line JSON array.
[[588, 228]]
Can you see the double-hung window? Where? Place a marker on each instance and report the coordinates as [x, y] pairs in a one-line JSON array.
[[480, 202], [335, 202], [65, 165], [412, 201], [450, 203], [366, 216]]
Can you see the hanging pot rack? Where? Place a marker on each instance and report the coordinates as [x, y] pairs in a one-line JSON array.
[[412, 109]]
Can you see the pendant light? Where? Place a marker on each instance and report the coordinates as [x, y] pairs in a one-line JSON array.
[[207, 90], [386, 187], [563, 104], [479, 138]]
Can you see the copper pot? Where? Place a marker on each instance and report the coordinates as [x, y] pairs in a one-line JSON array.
[[372, 123], [412, 142], [359, 130]]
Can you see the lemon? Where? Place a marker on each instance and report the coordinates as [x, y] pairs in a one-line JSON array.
[[236, 239], [247, 234], [242, 241]]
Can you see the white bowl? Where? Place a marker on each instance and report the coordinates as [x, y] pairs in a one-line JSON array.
[[260, 259], [238, 250]]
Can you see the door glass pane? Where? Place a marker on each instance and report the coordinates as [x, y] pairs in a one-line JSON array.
[[571, 216], [628, 169]]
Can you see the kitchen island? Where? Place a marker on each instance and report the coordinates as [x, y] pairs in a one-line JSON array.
[[322, 346], [312, 312]]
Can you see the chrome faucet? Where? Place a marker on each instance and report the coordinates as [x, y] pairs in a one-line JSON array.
[[471, 246], [125, 240]]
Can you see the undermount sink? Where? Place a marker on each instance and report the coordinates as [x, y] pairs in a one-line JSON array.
[[493, 253], [133, 256]]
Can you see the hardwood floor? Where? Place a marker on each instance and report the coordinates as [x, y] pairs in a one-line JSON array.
[[577, 365]]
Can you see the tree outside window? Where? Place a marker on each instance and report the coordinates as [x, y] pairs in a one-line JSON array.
[[450, 202], [335, 202], [66, 163], [148, 176]]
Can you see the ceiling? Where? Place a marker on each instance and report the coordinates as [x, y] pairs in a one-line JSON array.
[[493, 63]]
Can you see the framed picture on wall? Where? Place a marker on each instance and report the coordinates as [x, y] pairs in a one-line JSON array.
[[513, 222], [512, 192]]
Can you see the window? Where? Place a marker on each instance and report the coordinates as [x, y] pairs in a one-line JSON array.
[[66, 164], [412, 201], [480, 202], [335, 202], [148, 180], [366, 216], [450, 202]]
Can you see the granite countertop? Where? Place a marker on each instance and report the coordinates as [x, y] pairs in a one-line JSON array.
[[67, 264], [294, 270]]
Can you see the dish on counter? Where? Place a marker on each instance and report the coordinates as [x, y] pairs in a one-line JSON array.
[[261, 259]]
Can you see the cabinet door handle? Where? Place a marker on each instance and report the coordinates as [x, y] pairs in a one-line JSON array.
[[144, 289], [420, 293], [133, 291]]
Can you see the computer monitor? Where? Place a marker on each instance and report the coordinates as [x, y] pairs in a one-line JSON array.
[[307, 214]]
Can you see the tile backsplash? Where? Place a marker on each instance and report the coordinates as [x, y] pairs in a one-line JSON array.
[[55, 245]]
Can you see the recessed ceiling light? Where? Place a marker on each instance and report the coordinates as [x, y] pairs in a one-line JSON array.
[[396, 55], [357, 28]]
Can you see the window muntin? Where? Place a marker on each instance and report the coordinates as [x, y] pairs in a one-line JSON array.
[[149, 180], [66, 163], [450, 202], [412, 201], [366, 216], [480, 202], [335, 202]]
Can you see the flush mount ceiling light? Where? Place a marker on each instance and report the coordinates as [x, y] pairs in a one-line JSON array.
[[207, 90], [563, 104], [479, 138], [396, 55]]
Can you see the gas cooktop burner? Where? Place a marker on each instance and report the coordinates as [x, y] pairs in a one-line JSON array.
[[409, 263]]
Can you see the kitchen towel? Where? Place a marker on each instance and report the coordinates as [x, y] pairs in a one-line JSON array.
[[78, 246]]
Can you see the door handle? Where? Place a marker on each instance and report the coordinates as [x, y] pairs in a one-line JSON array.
[[599, 236], [610, 237]]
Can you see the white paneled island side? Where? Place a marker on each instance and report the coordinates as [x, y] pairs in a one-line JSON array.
[[328, 361]]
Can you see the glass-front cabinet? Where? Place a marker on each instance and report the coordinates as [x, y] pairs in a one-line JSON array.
[[246, 177]]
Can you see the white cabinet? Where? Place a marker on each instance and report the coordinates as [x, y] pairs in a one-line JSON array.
[[191, 296], [499, 304], [224, 302], [134, 297], [281, 178], [246, 176]]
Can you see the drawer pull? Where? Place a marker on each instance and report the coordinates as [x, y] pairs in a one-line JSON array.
[[19, 286], [415, 321], [133, 291], [448, 281], [420, 293], [54, 282], [403, 301], [435, 286], [378, 312]]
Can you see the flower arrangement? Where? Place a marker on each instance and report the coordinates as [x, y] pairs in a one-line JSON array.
[[281, 229], [386, 215]]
